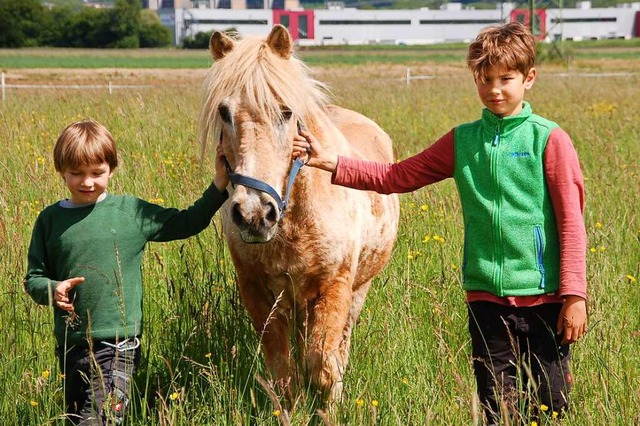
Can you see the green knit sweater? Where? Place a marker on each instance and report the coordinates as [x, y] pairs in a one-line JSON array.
[[511, 239], [104, 243]]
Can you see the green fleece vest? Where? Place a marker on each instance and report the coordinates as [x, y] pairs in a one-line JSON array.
[[511, 245]]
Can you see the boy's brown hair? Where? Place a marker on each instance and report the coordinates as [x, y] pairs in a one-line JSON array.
[[84, 142], [511, 46]]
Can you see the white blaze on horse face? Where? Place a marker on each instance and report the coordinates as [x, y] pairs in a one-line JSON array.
[[261, 151]]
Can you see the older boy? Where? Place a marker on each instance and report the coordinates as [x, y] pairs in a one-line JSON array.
[[84, 259], [522, 196]]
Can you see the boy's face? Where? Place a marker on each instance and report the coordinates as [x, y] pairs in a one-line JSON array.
[[87, 182], [502, 90]]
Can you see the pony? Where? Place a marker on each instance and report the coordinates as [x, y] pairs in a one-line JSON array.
[[302, 276]]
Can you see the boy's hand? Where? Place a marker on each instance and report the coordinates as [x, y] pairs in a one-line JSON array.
[[221, 179], [305, 144], [61, 294], [573, 319]]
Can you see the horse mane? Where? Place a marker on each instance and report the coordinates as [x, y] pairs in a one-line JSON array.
[[264, 81]]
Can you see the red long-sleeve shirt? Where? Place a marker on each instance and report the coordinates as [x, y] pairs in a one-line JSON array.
[[435, 163]]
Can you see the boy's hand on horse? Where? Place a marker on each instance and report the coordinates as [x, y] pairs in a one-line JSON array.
[[61, 293], [305, 144], [572, 319], [221, 179]]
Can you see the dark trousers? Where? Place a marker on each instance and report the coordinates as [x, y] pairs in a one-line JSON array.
[[97, 381], [521, 368]]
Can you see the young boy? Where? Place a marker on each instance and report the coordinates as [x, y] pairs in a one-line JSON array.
[[521, 191], [85, 258]]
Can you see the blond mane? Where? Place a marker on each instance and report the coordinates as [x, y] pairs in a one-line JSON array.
[[264, 81]]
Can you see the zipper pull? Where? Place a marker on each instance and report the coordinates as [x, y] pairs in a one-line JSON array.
[[496, 138]]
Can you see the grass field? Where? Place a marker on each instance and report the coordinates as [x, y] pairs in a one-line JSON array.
[[410, 360]]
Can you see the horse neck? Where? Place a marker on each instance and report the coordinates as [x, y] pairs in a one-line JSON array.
[[310, 180]]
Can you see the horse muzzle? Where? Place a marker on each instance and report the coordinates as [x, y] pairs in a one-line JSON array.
[[255, 215]]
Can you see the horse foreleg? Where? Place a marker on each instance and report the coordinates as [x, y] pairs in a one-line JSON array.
[[328, 318], [357, 302], [273, 330]]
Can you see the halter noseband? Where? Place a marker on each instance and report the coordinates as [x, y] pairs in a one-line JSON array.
[[238, 179]]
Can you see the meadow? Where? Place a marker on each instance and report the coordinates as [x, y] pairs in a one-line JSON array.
[[410, 362]]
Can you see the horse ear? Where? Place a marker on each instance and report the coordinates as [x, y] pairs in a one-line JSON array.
[[280, 42], [220, 44]]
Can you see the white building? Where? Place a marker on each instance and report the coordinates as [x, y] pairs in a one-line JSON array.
[[339, 25]]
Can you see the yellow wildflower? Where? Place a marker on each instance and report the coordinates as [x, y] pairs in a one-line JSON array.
[[544, 407], [374, 402], [359, 402], [598, 225], [592, 250], [424, 207], [207, 355], [276, 413], [45, 374], [554, 415], [33, 403], [174, 396], [631, 278], [405, 381], [441, 240]]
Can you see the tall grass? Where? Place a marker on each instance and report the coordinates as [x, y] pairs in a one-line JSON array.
[[410, 361]]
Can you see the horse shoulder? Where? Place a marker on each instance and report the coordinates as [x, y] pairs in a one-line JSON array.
[[367, 140]]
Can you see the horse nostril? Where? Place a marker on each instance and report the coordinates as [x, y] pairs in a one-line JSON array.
[[272, 213], [236, 216]]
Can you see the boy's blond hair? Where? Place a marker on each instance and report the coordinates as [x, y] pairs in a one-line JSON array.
[[84, 142], [510, 46]]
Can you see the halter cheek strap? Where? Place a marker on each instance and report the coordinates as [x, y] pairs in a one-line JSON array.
[[249, 182]]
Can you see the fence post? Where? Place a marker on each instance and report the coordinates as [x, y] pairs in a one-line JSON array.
[[3, 88], [408, 76], [110, 89]]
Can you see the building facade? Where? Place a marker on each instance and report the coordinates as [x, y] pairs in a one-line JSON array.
[[339, 25]]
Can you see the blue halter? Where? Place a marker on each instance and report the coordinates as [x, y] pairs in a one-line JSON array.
[[238, 179]]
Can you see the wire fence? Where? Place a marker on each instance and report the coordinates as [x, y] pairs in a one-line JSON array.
[[407, 79], [109, 87]]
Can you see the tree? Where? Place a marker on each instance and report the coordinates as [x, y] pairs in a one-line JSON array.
[[20, 22], [126, 21], [151, 31], [91, 28]]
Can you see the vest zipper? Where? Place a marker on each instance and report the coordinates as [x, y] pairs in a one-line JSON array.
[[497, 236], [539, 253]]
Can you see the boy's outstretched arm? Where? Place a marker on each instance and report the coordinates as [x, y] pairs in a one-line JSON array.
[[573, 319]]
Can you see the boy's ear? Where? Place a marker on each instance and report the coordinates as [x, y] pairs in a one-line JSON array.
[[530, 78]]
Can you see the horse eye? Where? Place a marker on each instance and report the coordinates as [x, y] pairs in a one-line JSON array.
[[286, 114], [225, 114]]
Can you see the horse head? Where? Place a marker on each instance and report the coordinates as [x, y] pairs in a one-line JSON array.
[[257, 95]]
